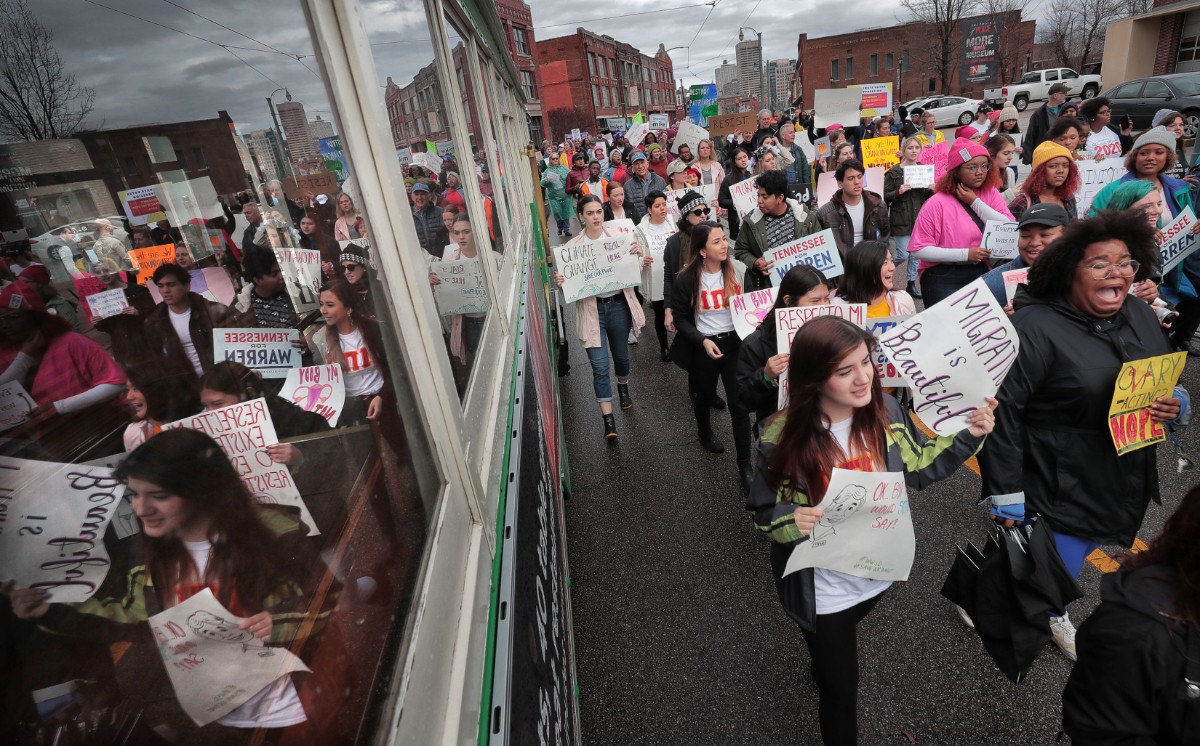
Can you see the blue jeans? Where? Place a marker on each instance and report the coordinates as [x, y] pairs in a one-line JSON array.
[[901, 254], [615, 321]]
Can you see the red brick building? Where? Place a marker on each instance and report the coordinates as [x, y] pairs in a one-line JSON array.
[[905, 55], [587, 78], [517, 21], [417, 111], [1159, 42]]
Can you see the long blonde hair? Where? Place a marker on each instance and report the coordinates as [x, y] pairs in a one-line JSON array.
[[337, 207]]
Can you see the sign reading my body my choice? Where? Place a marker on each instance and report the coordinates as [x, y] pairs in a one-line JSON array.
[[597, 266]]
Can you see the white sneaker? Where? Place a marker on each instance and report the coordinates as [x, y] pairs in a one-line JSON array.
[[632, 337], [964, 616], [1064, 635]]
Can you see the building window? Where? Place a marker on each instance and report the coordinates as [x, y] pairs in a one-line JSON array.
[[874, 64], [833, 70], [198, 157], [522, 40], [596, 96], [849, 68], [528, 85], [131, 165], [889, 61], [591, 63], [179, 158], [604, 96], [1189, 49]]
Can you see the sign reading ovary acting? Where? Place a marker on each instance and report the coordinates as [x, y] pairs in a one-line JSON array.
[[597, 266], [954, 355], [867, 529]]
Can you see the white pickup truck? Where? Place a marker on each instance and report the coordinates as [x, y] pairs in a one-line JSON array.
[[1035, 86]]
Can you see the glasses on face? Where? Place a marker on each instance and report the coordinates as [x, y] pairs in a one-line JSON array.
[[351, 267], [1105, 270], [701, 212], [976, 168]]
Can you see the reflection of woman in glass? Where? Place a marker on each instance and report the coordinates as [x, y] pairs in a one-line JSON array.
[[349, 223], [201, 529], [837, 417], [466, 328], [351, 339]]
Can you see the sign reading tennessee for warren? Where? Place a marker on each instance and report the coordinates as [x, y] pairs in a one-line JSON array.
[[268, 352]]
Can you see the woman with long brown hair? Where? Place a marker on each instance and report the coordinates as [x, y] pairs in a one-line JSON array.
[[837, 416], [350, 338]]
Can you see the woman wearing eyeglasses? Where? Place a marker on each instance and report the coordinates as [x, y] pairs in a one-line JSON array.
[[1052, 453], [947, 237]]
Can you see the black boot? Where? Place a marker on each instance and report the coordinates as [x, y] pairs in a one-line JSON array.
[[665, 354], [704, 429], [747, 475], [623, 394], [716, 402], [913, 290], [610, 427]]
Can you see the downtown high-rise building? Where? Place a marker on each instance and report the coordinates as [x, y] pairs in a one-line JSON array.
[[265, 152], [319, 129], [726, 78], [750, 68], [779, 75], [300, 144]]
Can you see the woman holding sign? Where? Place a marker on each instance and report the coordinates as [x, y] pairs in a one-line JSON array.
[[700, 309], [948, 235], [904, 204], [1065, 449], [739, 171], [351, 339], [837, 417]]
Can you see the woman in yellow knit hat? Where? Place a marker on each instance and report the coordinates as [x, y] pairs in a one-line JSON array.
[[1054, 179]]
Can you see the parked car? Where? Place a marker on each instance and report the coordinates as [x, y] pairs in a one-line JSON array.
[[1139, 99], [1035, 86], [949, 110], [62, 249]]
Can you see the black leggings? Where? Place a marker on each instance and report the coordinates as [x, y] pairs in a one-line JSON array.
[[703, 377], [833, 648], [660, 323]]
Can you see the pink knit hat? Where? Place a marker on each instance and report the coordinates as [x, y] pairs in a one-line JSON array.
[[961, 151]]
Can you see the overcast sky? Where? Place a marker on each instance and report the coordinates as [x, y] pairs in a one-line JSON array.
[[144, 72]]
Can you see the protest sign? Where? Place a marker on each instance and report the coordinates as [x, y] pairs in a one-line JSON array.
[[836, 106], [244, 431], [881, 151], [819, 251], [146, 260], [86, 285], [821, 147], [954, 355], [597, 266], [107, 303], [1094, 176], [141, 205], [52, 522], [213, 666], [934, 155], [302, 274], [727, 124], [15, 404], [1139, 383], [461, 287], [659, 121], [708, 191], [875, 99], [920, 177], [749, 309], [194, 199], [268, 352], [867, 529], [318, 388], [616, 124], [1000, 238], [1013, 278], [577, 136], [789, 320], [888, 375], [445, 147], [745, 196], [334, 156], [636, 133], [428, 161], [404, 156], [1178, 242], [656, 248], [621, 225], [688, 134]]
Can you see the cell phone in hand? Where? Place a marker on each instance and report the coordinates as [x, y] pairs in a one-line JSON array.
[[1127, 121]]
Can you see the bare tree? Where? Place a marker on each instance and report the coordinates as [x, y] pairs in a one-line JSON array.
[[1008, 40], [39, 100], [944, 17], [1076, 28]]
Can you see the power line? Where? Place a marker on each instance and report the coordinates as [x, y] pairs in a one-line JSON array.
[[626, 15], [232, 30]]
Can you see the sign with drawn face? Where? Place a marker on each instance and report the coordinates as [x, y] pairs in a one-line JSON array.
[[866, 531]]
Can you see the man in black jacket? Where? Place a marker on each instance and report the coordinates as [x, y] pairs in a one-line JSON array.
[[253, 218], [853, 213], [180, 329], [1042, 120]]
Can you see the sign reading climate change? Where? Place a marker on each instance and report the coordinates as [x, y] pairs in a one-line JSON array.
[[954, 355], [597, 266]]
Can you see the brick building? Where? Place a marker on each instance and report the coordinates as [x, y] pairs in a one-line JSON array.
[[905, 56], [416, 112], [587, 78], [1162, 41], [517, 21]]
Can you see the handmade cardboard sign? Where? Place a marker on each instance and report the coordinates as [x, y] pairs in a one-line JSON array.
[[749, 309], [888, 375], [52, 522], [727, 124], [302, 273], [867, 529], [1178, 242], [819, 251], [244, 431], [1139, 384], [1000, 238], [462, 288], [213, 666], [146, 260], [268, 352], [659, 122], [636, 133], [745, 196], [954, 355], [789, 320], [881, 151], [317, 388], [108, 303], [15, 404], [597, 266], [936, 156], [1094, 176]]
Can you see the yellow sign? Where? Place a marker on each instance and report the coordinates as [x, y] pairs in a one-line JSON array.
[[881, 151], [1139, 383], [147, 260]]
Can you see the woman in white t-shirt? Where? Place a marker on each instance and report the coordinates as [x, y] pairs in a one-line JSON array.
[[350, 338], [706, 339], [837, 417]]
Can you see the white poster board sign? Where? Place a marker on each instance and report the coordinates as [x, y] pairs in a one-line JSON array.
[[620, 226], [268, 352], [302, 272], [637, 132], [954, 355], [1178, 242], [15, 404], [1094, 176], [244, 431], [1000, 238], [818, 251], [428, 161], [461, 287], [789, 320], [141, 204], [867, 529], [749, 309], [52, 522], [688, 134], [659, 121], [657, 246], [317, 388], [213, 666], [920, 177], [599, 266], [1012, 279], [836, 106], [404, 156], [108, 303], [888, 375], [745, 196], [189, 200]]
